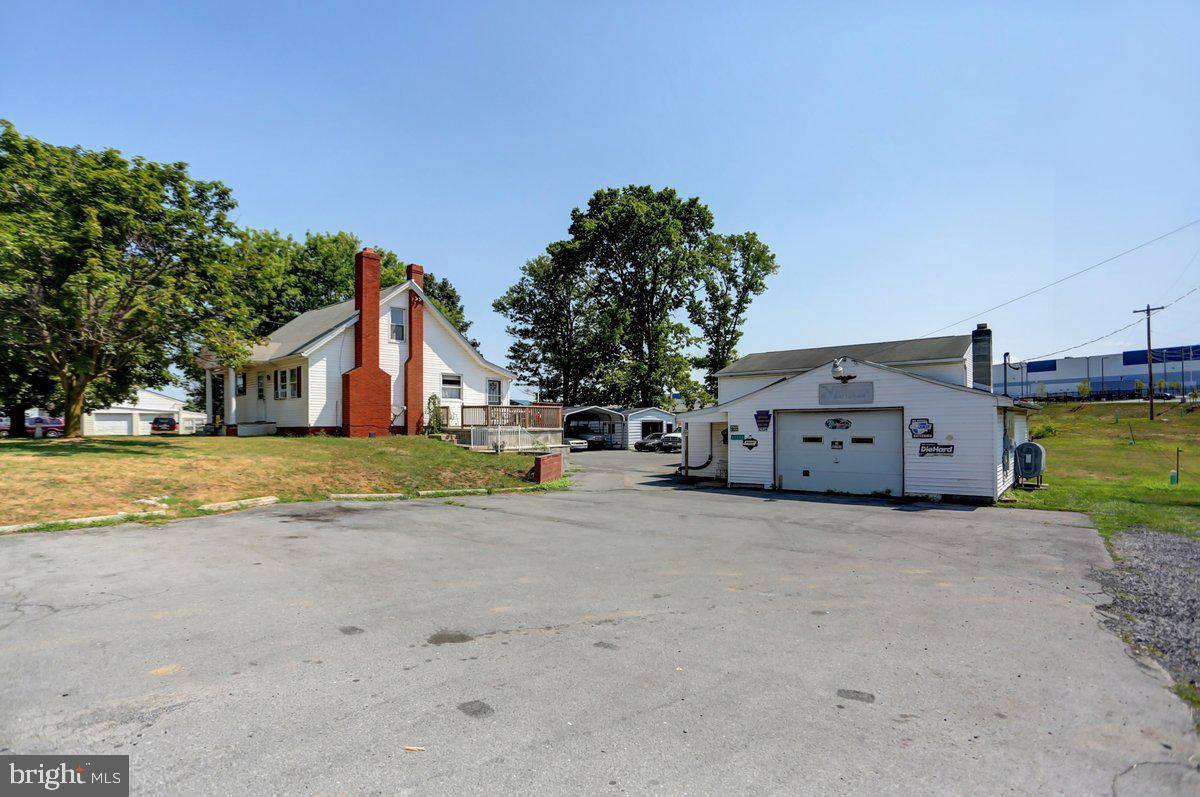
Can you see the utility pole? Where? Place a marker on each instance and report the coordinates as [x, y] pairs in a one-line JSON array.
[[1149, 357]]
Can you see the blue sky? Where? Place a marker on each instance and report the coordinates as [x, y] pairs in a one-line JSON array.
[[910, 164]]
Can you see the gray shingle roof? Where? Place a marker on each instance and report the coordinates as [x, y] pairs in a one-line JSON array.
[[885, 352], [294, 336]]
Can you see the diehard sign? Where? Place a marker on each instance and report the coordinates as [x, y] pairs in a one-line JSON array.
[[848, 393], [936, 450], [920, 427], [763, 419], [838, 423], [750, 443]]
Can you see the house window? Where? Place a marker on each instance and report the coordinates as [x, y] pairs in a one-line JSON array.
[[451, 386], [262, 387], [494, 391], [287, 383], [240, 383], [398, 316]]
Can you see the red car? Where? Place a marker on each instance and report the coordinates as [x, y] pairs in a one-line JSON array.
[[164, 423], [51, 427]]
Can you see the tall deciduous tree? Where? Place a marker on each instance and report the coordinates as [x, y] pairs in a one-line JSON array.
[[644, 249], [111, 266], [563, 346], [735, 271]]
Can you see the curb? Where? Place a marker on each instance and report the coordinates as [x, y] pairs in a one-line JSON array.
[[81, 520], [440, 493], [364, 496], [244, 503]]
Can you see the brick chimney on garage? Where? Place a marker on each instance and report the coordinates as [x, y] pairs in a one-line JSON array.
[[366, 388], [414, 367]]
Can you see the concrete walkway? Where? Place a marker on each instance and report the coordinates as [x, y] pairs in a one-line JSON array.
[[628, 636]]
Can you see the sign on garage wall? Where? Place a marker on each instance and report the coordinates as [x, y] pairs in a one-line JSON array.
[[750, 443], [763, 419], [848, 393], [936, 450], [838, 423], [920, 427]]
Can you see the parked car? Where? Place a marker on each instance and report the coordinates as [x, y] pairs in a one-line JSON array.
[[595, 440], [577, 444], [671, 443], [649, 442], [51, 427], [164, 424]]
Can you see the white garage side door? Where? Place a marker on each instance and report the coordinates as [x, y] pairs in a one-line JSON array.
[[111, 423], [859, 452]]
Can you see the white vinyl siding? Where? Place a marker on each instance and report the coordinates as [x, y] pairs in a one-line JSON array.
[[447, 353], [633, 425], [965, 420], [283, 412], [732, 387]]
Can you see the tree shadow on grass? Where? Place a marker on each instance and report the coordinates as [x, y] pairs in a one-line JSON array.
[[134, 446]]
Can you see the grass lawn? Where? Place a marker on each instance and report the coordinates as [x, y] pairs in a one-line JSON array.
[[48, 480], [1093, 467]]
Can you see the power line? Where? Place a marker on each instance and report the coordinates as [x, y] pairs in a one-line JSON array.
[[1176, 300], [1061, 280]]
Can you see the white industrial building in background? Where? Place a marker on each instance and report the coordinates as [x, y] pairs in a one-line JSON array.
[[1113, 375], [911, 417]]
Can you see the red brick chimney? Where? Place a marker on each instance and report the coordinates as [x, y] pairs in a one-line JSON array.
[[414, 368], [366, 389]]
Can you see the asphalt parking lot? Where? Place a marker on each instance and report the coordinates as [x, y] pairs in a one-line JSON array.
[[627, 636]]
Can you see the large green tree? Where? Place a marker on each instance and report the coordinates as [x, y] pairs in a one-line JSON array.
[[644, 248], [735, 270], [563, 347], [112, 268]]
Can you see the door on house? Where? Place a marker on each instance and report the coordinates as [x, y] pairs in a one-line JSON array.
[[493, 392], [261, 396]]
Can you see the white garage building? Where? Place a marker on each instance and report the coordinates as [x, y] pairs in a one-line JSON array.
[[134, 417], [913, 418]]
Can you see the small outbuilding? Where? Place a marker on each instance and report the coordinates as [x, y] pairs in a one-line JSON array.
[[930, 427], [616, 427], [642, 422]]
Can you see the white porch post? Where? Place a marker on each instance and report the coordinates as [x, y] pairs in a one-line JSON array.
[[230, 397], [208, 395]]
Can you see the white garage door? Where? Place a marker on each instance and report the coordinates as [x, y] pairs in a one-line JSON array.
[[144, 422], [858, 452], [111, 423]]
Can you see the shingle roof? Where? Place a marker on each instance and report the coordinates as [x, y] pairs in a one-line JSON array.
[[294, 336], [885, 352]]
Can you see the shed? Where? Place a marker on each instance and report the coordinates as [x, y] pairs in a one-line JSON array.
[[853, 426], [643, 421]]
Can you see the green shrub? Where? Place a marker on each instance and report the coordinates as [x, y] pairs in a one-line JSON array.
[[1045, 430]]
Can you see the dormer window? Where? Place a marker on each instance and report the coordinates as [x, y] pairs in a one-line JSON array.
[[399, 316]]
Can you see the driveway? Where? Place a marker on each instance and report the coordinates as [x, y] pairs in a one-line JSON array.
[[628, 636]]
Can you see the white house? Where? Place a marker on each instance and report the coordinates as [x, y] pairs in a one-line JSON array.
[[134, 417], [912, 417], [366, 367]]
